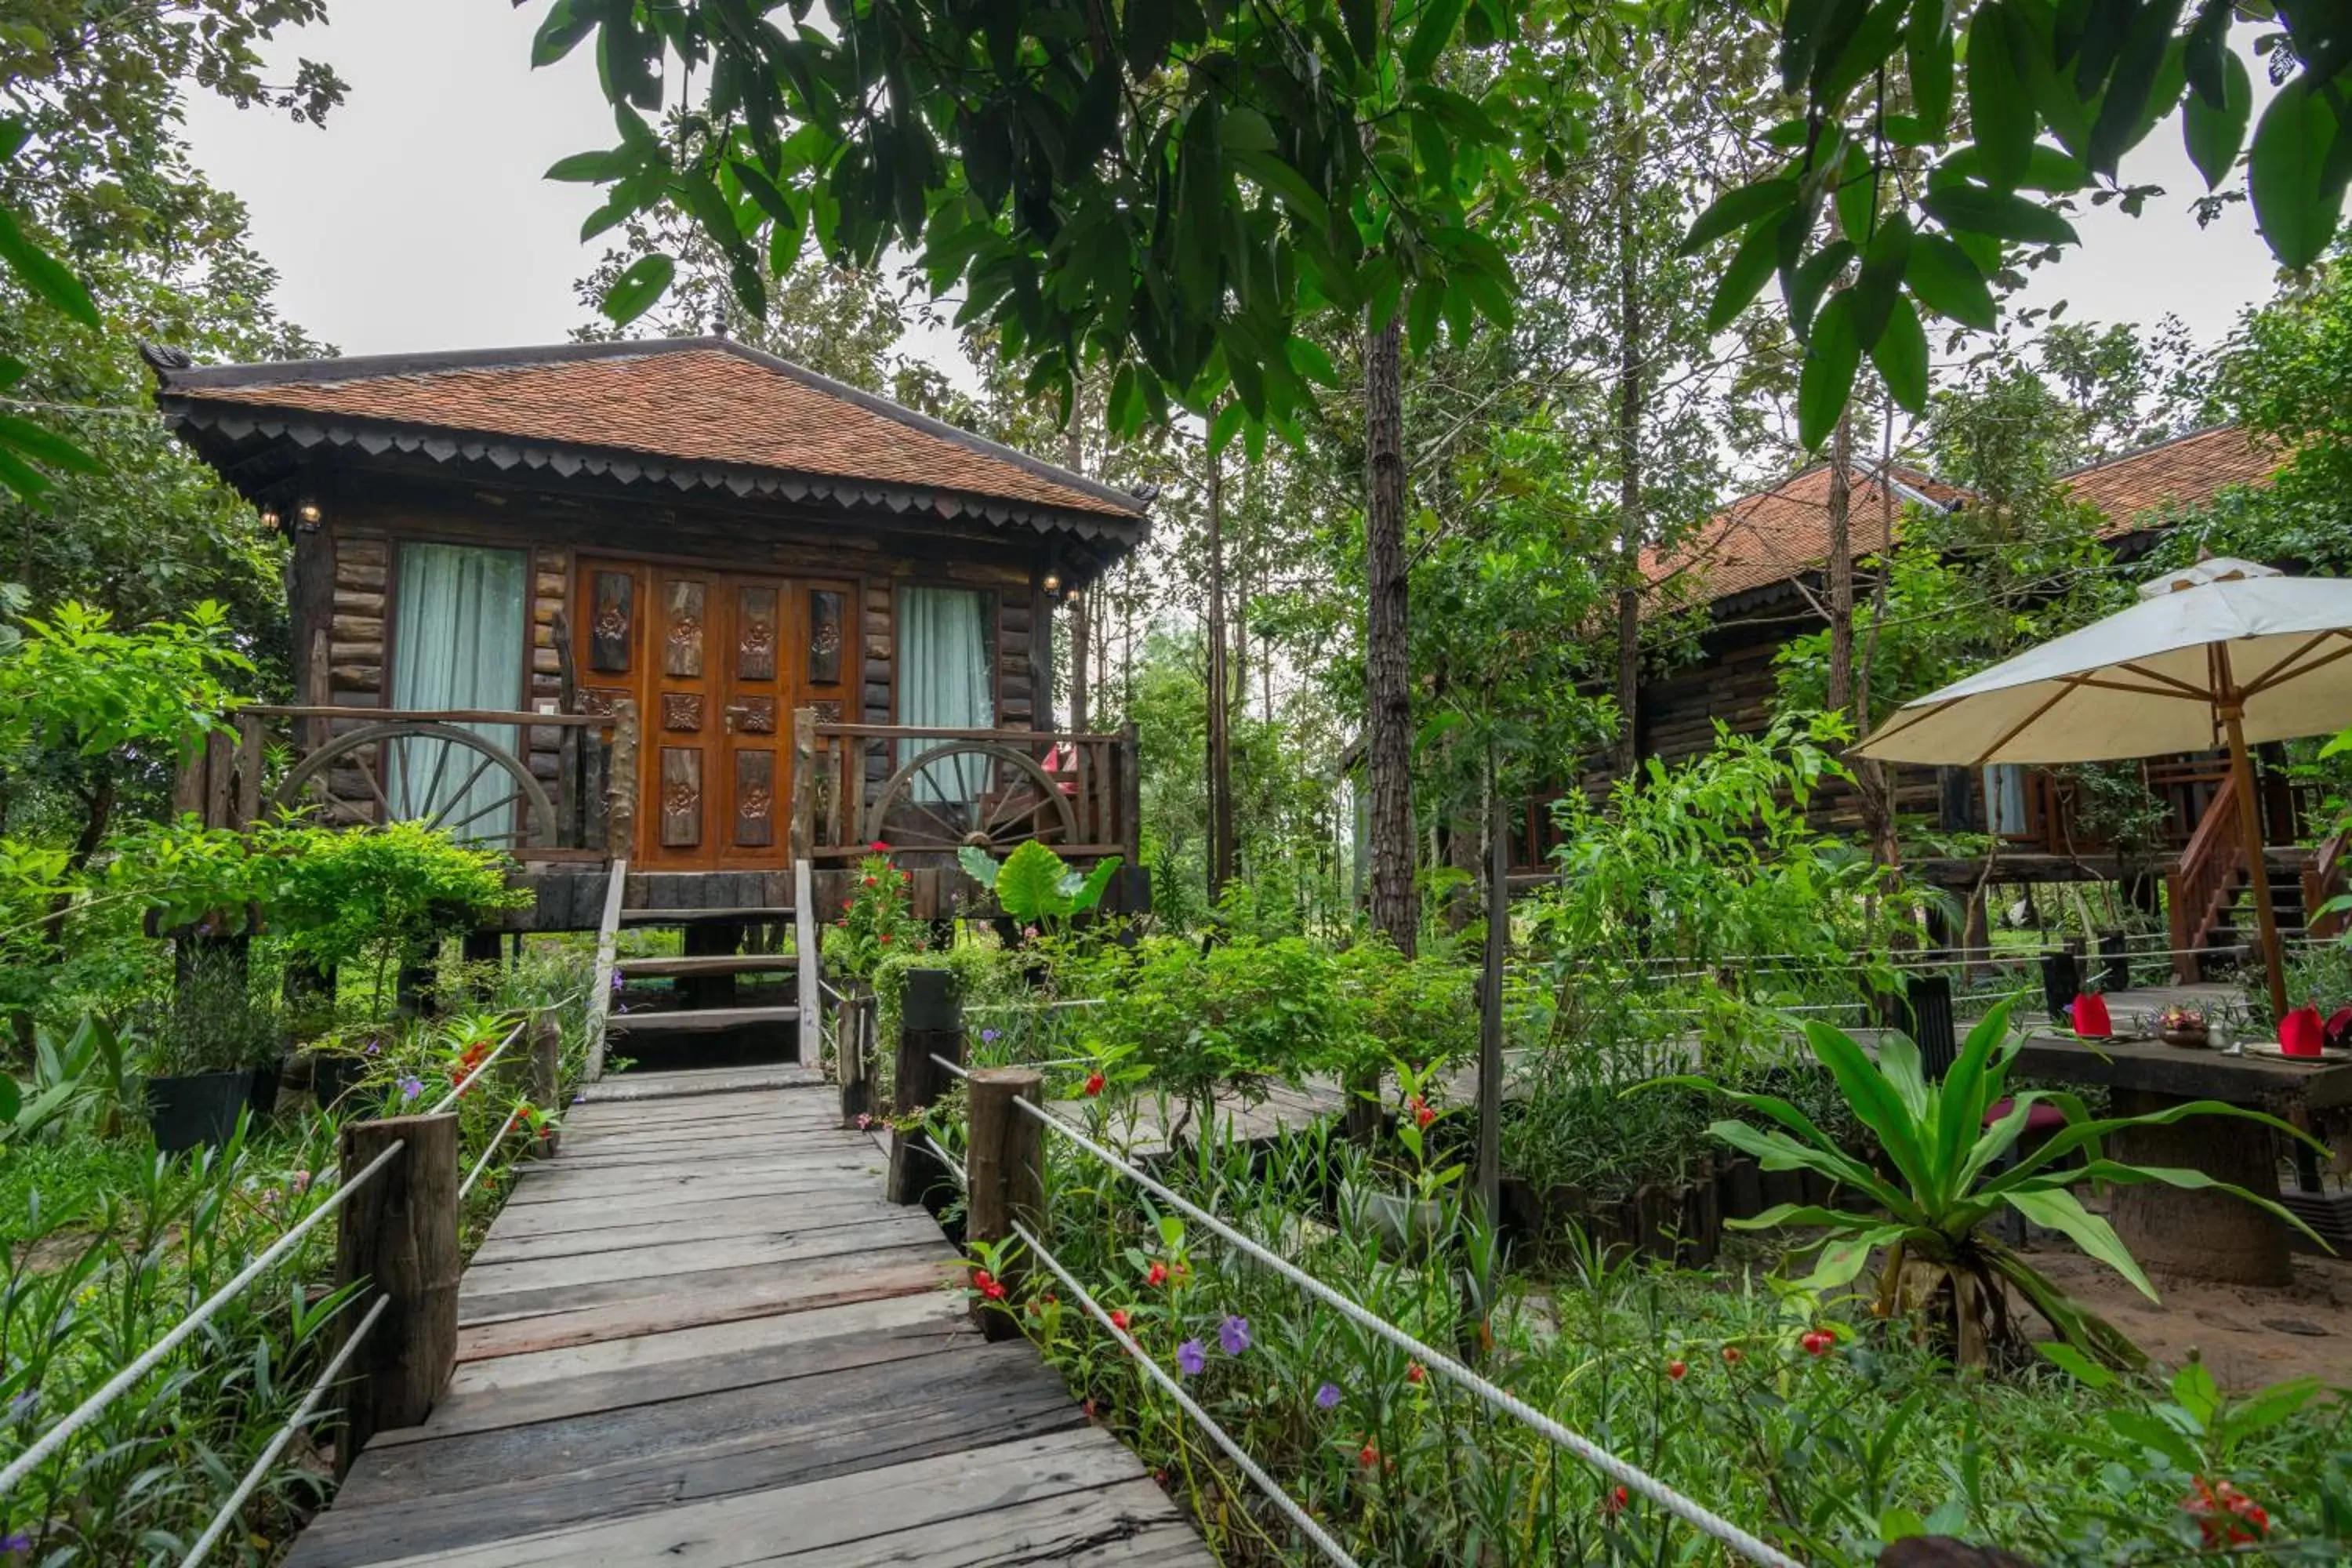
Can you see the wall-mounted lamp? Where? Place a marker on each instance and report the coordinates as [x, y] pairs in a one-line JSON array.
[[270, 519], [306, 517], [1053, 584]]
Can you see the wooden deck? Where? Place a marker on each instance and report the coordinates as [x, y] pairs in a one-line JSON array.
[[699, 1337]]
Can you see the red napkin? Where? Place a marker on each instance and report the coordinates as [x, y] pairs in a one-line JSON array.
[[2301, 1034], [2339, 1027], [2091, 1021]]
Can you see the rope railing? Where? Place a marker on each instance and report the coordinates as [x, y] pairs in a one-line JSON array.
[[260, 1470], [89, 1409], [1304, 1522], [1632, 1478]]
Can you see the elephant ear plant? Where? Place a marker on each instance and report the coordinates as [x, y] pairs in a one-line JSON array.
[[1941, 1266]]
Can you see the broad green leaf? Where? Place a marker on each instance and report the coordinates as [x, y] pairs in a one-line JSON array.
[[1090, 889], [1028, 885], [2297, 202], [1803, 289], [2059, 1210], [977, 864], [1944, 281], [1928, 51], [559, 34], [1244, 130], [2000, 215], [2081, 1368], [2080, 1328], [12, 1101], [1737, 209], [20, 478], [1960, 1115], [592, 168], [1270, 172], [1744, 279], [2136, 86], [2077, 1134], [633, 293], [44, 274], [1430, 34], [2153, 1432], [2194, 1389], [1868, 1094], [1880, 283], [45, 447], [1832, 354], [1842, 1257], [2001, 104], [764, 191], [2261, 1411]]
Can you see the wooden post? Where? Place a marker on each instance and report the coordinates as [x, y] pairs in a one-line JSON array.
[[807, 960], [804, 828], [1004, 1160], [399, 1234], [930, 1023], [546, 1076], [247, 804], [621, 779]]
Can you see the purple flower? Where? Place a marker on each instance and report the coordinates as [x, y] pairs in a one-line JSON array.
[[1190, 1359], [1234, 1334], [1328, 1397], [15, 1544], [372, 1047], [619, 981], [410, 1088], [988, 1036]]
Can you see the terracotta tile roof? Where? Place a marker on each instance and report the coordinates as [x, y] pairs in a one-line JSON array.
[[1775, 535], [2183, 471], [700, 401]]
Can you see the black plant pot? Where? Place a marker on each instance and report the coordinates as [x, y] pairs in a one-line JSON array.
[[199, 1109], [267, 1078], [331, 1077]]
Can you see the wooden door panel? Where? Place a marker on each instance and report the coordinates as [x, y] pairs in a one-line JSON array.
[[756, 632], [681, 797], [755, 799], [682, 628]]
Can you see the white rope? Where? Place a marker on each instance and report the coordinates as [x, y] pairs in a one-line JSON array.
[[955, 1167], [1691, 1513], [88, 1410], [994, 1007], [303, 1414], [1158, 1374], [955, 1068], [487, 1150], [463, 1084]]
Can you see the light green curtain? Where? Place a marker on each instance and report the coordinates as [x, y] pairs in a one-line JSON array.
[[943, 683], [458, 643]]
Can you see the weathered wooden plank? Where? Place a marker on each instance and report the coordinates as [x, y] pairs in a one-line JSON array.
[[591, 1277], [707, 964], [705, 1020], [1079, 1471], [696, 1222], [559, 1184], [854, 1278]]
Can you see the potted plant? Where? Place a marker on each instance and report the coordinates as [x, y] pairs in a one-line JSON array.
[[205, 1053]]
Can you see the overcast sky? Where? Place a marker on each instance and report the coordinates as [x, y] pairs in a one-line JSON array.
[[417, 220]]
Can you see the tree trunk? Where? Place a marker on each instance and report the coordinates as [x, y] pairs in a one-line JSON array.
[[1629, 531], [1387, 656], [1840, 569], [1220, 708], [1074, 456]]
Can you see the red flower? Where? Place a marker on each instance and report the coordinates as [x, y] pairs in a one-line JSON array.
[[871, 882], [1819, 1342], [1157, 1274], [1413, 1374], [879, 847], [1677, 1370], [1118, 1320], [1733, 1356], [884, 939], [1089, 1406], [985, 1283], [1367, 1457], [1614, 1503], [1095, 1084], [2225, 1514], [1421, 1115]]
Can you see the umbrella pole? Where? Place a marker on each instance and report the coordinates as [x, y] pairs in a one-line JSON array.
[[2249, 819]]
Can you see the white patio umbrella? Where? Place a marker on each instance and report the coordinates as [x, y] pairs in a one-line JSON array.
[[2224, 653]]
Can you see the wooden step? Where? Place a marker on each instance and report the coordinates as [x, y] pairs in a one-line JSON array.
[[701, 1020], [709, 963], [766, 914]]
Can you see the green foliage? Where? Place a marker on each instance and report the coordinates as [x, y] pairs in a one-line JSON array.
[[1877, 85], [877, 921], [216, 1019], [1176, 191], [336, 894], [1234, 1016], [1035, 886], [76, 685], [1940, 1146]]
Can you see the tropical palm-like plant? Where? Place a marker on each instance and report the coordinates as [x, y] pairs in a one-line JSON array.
[[1945, 1154]]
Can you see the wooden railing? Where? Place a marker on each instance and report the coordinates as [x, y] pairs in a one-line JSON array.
[[549, 795], [2325, 879], [2200, 890], [927, 791]]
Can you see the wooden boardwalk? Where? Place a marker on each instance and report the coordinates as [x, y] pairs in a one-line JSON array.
[[699, 1337]]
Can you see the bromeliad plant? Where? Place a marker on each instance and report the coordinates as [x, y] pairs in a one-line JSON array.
[[1945, 1147]]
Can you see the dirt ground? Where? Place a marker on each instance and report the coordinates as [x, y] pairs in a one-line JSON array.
[[2248, 1336]]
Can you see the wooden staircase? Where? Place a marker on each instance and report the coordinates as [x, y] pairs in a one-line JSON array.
[[2206, 892]]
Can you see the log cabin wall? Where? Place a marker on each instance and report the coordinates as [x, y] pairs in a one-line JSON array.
[[371, 512]]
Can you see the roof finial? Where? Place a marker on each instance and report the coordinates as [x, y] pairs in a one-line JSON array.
[[719, 323]]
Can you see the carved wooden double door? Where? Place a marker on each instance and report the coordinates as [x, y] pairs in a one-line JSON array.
[[716, 662]]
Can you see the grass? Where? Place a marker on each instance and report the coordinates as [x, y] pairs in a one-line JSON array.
[[43, 1185]]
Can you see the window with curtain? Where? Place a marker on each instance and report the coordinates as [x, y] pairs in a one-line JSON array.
[[457, 642], [943, 683], [2005, 812]]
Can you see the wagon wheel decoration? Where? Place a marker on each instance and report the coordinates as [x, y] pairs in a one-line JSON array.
[[413, 770], [1012, 800]]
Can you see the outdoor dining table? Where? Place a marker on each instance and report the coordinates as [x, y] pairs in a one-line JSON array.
[[2204, 1234]]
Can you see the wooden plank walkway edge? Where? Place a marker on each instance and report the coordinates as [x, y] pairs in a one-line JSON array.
[[699, 1337]]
